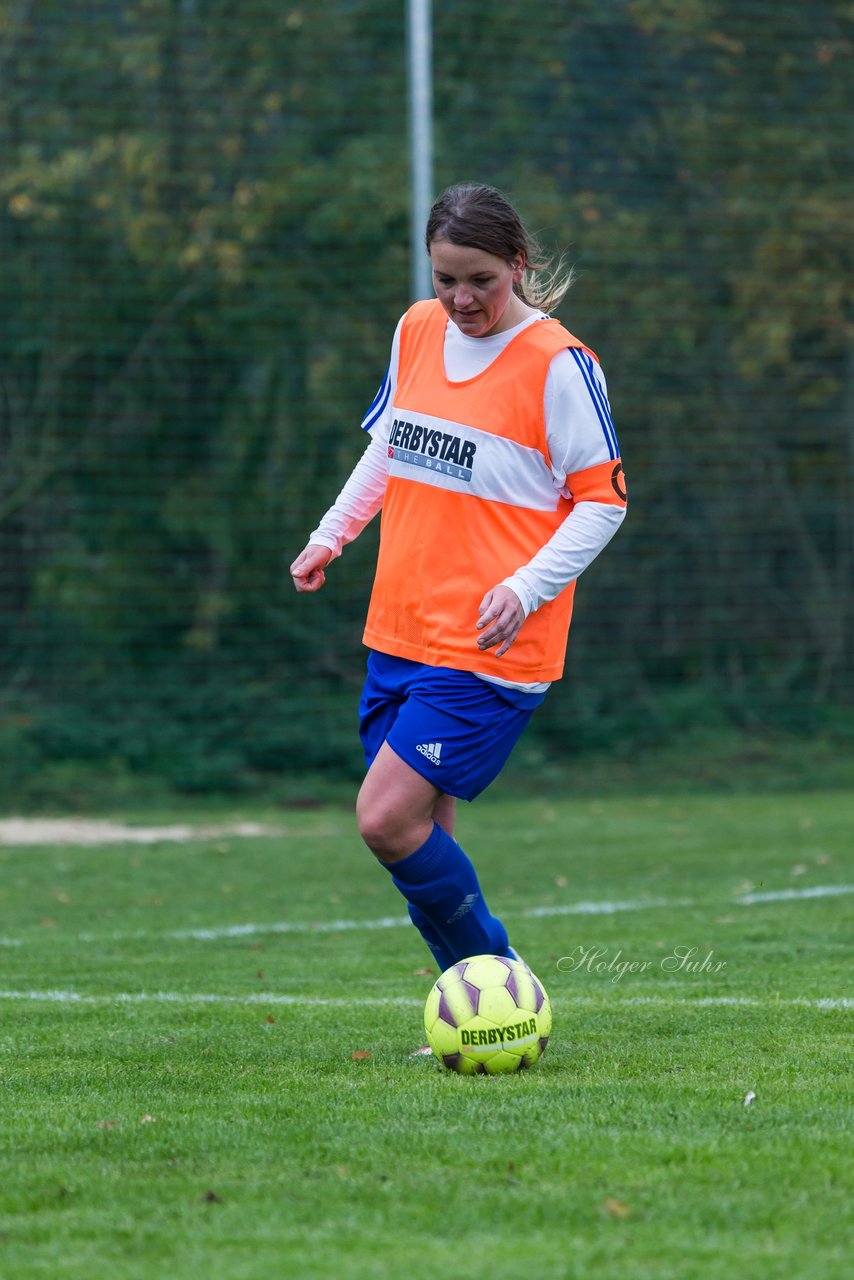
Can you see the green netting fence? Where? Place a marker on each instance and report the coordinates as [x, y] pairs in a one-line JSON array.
[[204, 225]]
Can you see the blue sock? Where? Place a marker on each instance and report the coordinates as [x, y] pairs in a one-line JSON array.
[[440, 952], [441, 882]]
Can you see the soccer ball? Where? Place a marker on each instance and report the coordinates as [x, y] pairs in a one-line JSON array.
[[487, 1015]]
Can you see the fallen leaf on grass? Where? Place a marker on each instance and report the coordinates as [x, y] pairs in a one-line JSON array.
[[359, 1055], [147, 1119], [108, 1124], [616, 1208], [270, 1018], [423, 973]]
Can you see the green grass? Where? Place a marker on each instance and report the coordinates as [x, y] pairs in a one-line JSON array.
[[148, 1137]]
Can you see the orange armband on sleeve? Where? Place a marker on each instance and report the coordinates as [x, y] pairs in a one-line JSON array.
[[603, 483]]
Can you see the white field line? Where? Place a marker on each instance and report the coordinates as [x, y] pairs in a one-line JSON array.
[[604, 907], [397, 922], [356, 1002], [789, 895], [198, 997], [600, 908], [564, 909], [288, 926]]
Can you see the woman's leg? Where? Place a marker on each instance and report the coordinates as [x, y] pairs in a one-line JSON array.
[[387, 789], [395, 808], [445, 815], [398, 812]]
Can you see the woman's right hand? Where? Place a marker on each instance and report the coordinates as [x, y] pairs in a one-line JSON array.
[[307, 569]]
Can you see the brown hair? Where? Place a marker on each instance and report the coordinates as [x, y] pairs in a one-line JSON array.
[[480, 217]]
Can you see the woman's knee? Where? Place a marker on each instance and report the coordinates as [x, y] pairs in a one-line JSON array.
[[372, 821], [395, 808], [389, 832]]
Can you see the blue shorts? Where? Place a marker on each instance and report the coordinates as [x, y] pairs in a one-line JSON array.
[[453, 728]]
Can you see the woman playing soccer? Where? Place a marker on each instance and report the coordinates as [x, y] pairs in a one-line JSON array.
[[494, 459]]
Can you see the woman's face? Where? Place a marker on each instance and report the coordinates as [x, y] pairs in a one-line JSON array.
[[476, 288]]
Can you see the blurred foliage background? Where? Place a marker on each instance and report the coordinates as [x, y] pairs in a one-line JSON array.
[[204, 225]]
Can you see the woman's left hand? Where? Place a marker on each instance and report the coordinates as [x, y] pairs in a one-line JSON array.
[[502, 615]]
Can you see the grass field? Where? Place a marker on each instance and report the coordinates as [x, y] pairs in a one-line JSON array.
[[179, 1019]]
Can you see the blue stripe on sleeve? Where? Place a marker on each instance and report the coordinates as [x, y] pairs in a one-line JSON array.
[[600, 400], [378, 405], [603, 399]]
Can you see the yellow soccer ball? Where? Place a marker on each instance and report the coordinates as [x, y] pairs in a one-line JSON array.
[[487, 1015]]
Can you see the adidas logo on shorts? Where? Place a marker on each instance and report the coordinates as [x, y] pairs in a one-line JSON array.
[[432, 750]]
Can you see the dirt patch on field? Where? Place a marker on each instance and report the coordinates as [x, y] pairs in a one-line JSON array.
[[90, 831]]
